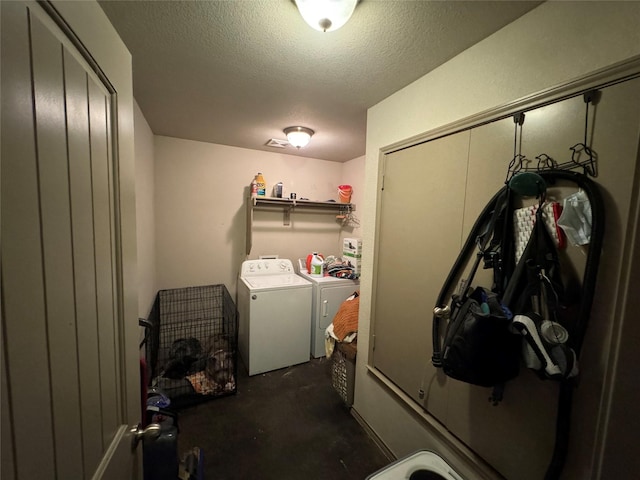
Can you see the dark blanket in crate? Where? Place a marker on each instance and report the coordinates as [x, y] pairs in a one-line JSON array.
[[196, 369], [193, 348]]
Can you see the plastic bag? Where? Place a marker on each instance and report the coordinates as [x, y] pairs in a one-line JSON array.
[[575, 219]]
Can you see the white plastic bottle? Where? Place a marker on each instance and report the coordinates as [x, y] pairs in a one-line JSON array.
[[316, 265], [254, 187]]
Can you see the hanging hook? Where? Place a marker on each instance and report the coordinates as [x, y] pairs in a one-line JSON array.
[[518, 120], [591, 96], [545, 162], [516, 163], [588, 165], [587, 97]]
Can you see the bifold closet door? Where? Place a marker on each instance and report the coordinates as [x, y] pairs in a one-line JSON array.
[[432, 195], [420, 235], [517, 437], [487, 429]]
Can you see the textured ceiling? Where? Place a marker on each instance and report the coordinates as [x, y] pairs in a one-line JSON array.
[[236, 72]]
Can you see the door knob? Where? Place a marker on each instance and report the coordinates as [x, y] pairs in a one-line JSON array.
[[150, 432]]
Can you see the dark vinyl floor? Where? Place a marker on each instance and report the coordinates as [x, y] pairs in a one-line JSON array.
[[282, 425]]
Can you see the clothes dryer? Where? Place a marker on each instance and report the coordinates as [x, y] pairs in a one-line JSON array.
[[274, 313], [328, 294]]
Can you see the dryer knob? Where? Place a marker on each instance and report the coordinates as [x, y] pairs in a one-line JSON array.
[[254, 297]]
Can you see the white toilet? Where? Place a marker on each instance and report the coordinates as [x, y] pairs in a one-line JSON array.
[[421, 465]]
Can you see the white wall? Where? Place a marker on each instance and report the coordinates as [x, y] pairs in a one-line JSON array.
[[552, 44], [145, 213], [353, 174], [200, 209]]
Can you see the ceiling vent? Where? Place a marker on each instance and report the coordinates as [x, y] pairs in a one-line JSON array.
[[274, 142]]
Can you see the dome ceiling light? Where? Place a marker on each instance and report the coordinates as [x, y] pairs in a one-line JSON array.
[[298, 136], [326, 15]]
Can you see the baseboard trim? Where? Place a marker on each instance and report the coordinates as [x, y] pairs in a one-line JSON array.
[[374, 436]]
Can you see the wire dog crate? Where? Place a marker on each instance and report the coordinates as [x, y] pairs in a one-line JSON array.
[[192, 347]]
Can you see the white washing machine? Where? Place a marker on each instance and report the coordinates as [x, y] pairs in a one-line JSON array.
[[421, 465], [328, 294], [274, 309]]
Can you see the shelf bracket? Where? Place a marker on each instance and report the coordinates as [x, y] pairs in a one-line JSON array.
[[286, 217]]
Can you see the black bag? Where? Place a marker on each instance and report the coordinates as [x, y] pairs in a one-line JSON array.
[[516, 286], [478, 347]]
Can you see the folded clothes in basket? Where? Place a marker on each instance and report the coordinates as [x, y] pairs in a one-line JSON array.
[[346, 318], [345, 323]]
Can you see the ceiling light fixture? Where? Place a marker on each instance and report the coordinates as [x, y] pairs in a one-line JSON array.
[[298, 136], [326, 15]]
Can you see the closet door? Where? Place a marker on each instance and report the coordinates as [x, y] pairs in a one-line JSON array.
[[517, 437], [432, 195], [485, 428], [420, 235]]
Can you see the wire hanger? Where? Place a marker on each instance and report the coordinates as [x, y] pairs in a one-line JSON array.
[[520, 178], [519, 162], [582, 156], [578, 151], [589, 164], [545, 162]]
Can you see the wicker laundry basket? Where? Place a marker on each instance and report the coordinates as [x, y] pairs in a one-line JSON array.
[[343, 371]]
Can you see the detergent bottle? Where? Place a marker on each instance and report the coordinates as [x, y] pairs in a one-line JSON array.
[[262, 186], [309, 258], [316, 265]]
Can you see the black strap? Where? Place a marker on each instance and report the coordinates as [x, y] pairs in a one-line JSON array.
[[576, 335], [483, 239], [499, 254], [497, 393], [480, 235]]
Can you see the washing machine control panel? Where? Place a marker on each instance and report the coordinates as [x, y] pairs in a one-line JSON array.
[[266, 267]]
